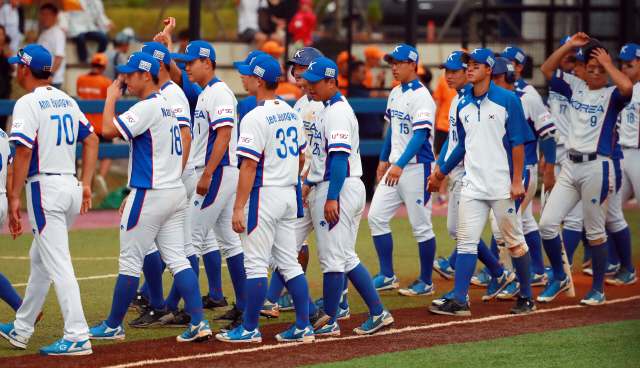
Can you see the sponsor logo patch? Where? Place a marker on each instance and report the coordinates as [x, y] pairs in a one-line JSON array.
[[330, 72], [413, 56], [423, 115], [340, 136], [18, 124], [204, 52], [129, 118], [225, 111], [246, 139], [144, 65], [258, 71], [158, 55]]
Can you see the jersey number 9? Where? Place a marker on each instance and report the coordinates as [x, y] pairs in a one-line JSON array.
[[176, 140], [63, 122], [290, 131]]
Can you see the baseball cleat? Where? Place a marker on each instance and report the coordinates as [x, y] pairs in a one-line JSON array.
[[382, 282], [285, 302], [610, 270], [152, 317], [8, 332], [233, 325], [240, 335], [230, 316], [319, 319], [215, 305], [343, 314], [510, 292], [319, 303], [497, 284], [270, 310], [481, 279], [443, 267], [295, 335], [140, 302], [64, 347], [552, 290], [549, 271], [100, 331], [417, 288], [197, 333], [593, 298], [623, 277], [451, 307], [539, 280], [329, 330], [445, 297], [181, 318], [375, 324], [523, 306]]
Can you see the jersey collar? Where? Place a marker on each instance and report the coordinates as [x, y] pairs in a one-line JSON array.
[[213, 81], [336, 98], [166, 85], [413, 85], [153, 95], [475, 98], [520, 83], [464, 89]]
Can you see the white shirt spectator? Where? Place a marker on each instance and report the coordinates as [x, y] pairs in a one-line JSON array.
[[54, 40], [248, 15], [10, 19], [91, 19]]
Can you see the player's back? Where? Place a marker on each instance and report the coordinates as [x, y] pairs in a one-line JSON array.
[[5, 160], [630, 121], [48, 121], [539, 121]]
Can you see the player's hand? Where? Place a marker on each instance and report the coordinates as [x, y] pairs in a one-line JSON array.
[[383, 166], [124, 203], [15, 217], [86, 200], [114, 91], [237, 221], [548, 180], [602, 56], [433, 183], [305, 193], [579, 39], [517, 191], [393, 175], [541, 164], [204, 184], [162, 38], [331, 213], [169, 25]]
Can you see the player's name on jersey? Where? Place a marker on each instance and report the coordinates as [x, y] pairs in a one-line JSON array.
[[53, 104], [286, 116], [168, 113]]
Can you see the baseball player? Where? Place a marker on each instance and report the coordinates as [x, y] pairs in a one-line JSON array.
[[272, 145], [629, 59], [7, 292], [155, 208], [519, 60], [492, 131], [588, 174], [406, 159], [339, 199], [47, 124]]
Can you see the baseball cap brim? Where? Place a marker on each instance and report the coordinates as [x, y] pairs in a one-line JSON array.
[[621, 57], [238, 64], [389, 57], [15, 60], [450, 65], [312, 77], [245, 69], [126, 69], [187, 57]]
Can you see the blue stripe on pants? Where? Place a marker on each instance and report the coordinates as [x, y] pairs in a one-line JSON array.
[[604, 191], [136, 208], [36, 202]]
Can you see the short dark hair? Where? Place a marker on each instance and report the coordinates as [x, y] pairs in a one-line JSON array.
[[271, 86], [355, 65], [167, 66], [51, 7], [154, 78], [184, 35], [40, 74]]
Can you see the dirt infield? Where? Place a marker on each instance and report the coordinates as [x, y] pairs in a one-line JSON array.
[[415, 328]]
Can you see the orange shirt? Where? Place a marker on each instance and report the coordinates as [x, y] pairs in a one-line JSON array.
[[368, 80], [288, 91], [445, 95], [93, 87], [343, 83]]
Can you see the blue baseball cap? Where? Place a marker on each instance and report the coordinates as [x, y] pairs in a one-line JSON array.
[[503, 65], [158, 51], [305, 56], [514, 54], [579, 56], [402, 52], [453, 62], [247, 61], [140, 61], [263, 66], [198, 49], [176, 56], [319, 69], [629, 51], [34, 56], [566, 39], [480, 55]]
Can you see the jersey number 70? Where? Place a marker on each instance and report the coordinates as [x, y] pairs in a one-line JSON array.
[[63, 122]]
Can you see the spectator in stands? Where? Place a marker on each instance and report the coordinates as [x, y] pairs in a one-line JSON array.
[[183, 41], [280, 13], [93, 86], [443, 95], [248, 26], [343, 71], [54, 40], [286, 89], [10, 19], [425, 76], [90, 23], [6, 70], [373, 56], [274, 49], [303, 24], [117, 56]]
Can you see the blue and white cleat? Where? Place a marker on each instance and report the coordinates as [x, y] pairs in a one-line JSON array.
[[240, 335], [443, 267], [285, 302], [382, 282], [64, 347], [593, 298], [417, 288], [481, 279], [295, 335], [496, 285], [375, 324], [319, 303], [329, 330], [539, 280], [343, 314], [100, 331], [270, 310], [510, 292], [552, 290], [8, 332], [549, 271], [610, 270], [442, 299], [623, 277], [197, 333]]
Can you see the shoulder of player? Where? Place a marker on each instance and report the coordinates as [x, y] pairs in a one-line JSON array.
[[503, 97], [422, 96]]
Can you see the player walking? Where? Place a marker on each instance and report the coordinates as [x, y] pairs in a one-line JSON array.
[[155, 208], [47, 124], [409, 150], [273, 151], [339, 199], [588, 174], [630, 123]]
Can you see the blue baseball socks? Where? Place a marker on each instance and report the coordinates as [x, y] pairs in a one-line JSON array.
[[384, 248], [8, 293], [427, 251], [361, 280], [212, 266]]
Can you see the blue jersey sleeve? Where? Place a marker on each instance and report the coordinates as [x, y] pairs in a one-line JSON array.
[[246, 106], [191, 91], [559, 85], [419, 136], [518, 130], [443, 152], [549, 149], [339, 163], [618, 100], [457, 155], [386, 149]]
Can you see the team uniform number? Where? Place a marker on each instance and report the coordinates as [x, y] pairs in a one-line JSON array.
[[63, 122], [176, 140], [282, 152]]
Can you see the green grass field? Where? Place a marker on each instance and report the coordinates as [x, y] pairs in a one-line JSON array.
[[97, 293]]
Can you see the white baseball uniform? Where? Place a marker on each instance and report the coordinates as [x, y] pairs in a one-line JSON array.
[[272, 135], [49, 122], [614, 221], [337, 130], [6, 158], [630, 142], [410, 107], [523, 86]]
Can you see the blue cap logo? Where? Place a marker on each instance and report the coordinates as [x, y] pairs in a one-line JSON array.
[[34, 56], [158, 51], [629, 51], [263, 66], [453, 62], [140, 61], [199, 49], [320, 68], [514, 54], [252, 55], [480, 55], [402, 52]]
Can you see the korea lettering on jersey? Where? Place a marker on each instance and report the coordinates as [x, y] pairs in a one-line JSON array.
[[489, 127], [630, 121], [308, 111], [540, 122], [273, 135], [410, 107], [49, 123], [216, 108], [593, 113], [559, 108], [6, 158], [453, 131], [155, 144], [337, 130]]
